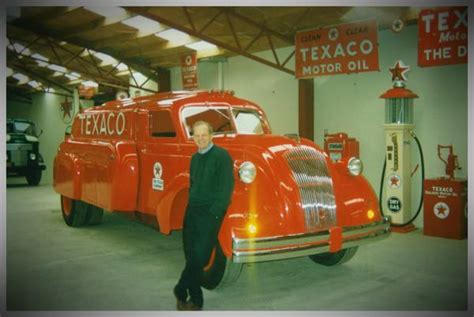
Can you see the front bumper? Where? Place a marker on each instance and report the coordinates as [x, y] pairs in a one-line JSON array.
[[23, 170], [283, 247]]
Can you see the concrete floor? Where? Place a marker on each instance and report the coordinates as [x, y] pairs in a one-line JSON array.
[[125, 265]]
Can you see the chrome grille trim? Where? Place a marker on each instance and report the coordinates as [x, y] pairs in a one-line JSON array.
[[250, 250], [315, 186]]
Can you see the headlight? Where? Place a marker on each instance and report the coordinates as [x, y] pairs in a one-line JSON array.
[[32, 156], [31, 138], [354, 166], [247, 172]]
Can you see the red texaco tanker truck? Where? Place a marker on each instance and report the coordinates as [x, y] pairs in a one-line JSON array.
[[290, 199]]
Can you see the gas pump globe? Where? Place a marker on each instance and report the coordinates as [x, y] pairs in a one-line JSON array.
[[398, 129]]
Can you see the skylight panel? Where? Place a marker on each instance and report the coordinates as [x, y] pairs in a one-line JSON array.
[[142, 23], [201, 45], [72, 76], [22, 79], [34, 84], [106, 59], [57, 68], [173, 35], [121, 67], [19, 48], [40, 59]]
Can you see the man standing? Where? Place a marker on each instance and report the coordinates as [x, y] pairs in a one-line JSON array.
[[210, 192]]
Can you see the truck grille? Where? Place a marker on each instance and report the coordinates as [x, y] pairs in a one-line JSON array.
[[315, 186]]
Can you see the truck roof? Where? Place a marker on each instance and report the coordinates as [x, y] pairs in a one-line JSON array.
[[176, 99]]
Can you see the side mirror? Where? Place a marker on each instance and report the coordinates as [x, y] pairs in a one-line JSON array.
[[41, 132]]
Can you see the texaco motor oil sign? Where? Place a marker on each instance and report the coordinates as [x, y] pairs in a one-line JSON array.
[[341, 49]]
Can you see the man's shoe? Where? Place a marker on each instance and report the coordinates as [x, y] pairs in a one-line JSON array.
[[180, 304], [191, 306]]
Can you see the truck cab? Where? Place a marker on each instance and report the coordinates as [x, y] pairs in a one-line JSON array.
[[23, 156]]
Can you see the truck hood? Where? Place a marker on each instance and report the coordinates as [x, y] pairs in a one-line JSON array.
[[299, 170]]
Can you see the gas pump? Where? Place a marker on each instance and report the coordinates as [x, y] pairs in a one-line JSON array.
[[398, 140], [445, 200], [451, 162], [340, 145]]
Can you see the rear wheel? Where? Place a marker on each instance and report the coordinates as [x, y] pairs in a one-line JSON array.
[[94, 215], [34, 177], [337, 258], [74, 211], [220, 271]]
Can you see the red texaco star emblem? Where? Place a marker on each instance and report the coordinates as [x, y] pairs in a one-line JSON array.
[[398, 71], [66, 108]]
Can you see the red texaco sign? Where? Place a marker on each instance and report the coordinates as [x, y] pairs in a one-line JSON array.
[[341, 49], [189, 71], [442, 36]]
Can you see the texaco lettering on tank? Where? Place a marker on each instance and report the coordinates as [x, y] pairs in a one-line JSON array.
[[102, 123]]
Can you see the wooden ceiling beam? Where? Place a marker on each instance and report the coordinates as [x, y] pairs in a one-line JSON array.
[[32, 74], [284, 38], [95, 25], [97, 78], [50, 13], [176, 25], [85, 72], [37, 29]]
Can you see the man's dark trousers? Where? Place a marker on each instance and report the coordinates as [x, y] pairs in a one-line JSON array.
[[200, 232]]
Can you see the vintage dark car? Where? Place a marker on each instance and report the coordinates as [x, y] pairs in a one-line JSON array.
[[23, 157]]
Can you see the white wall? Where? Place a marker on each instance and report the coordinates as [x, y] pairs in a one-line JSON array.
[[351, 104]]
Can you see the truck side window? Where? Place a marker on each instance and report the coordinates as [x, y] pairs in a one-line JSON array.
[[161, 124]]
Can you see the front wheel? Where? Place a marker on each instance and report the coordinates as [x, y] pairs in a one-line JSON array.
[[220, 271], [34, 177], [336, 258]]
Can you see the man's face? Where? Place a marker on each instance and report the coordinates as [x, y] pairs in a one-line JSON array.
[[201, 136]]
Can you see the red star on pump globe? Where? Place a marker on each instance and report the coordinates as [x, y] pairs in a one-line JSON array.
[[398, 71]]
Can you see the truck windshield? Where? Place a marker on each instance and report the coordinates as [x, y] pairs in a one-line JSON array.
[[21, 127], [248, 121], [218, 117]]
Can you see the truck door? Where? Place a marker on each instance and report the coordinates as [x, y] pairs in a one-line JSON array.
[[159, 158]]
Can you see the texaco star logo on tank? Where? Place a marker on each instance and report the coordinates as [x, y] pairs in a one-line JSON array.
[[157, 170], [441, 210]]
